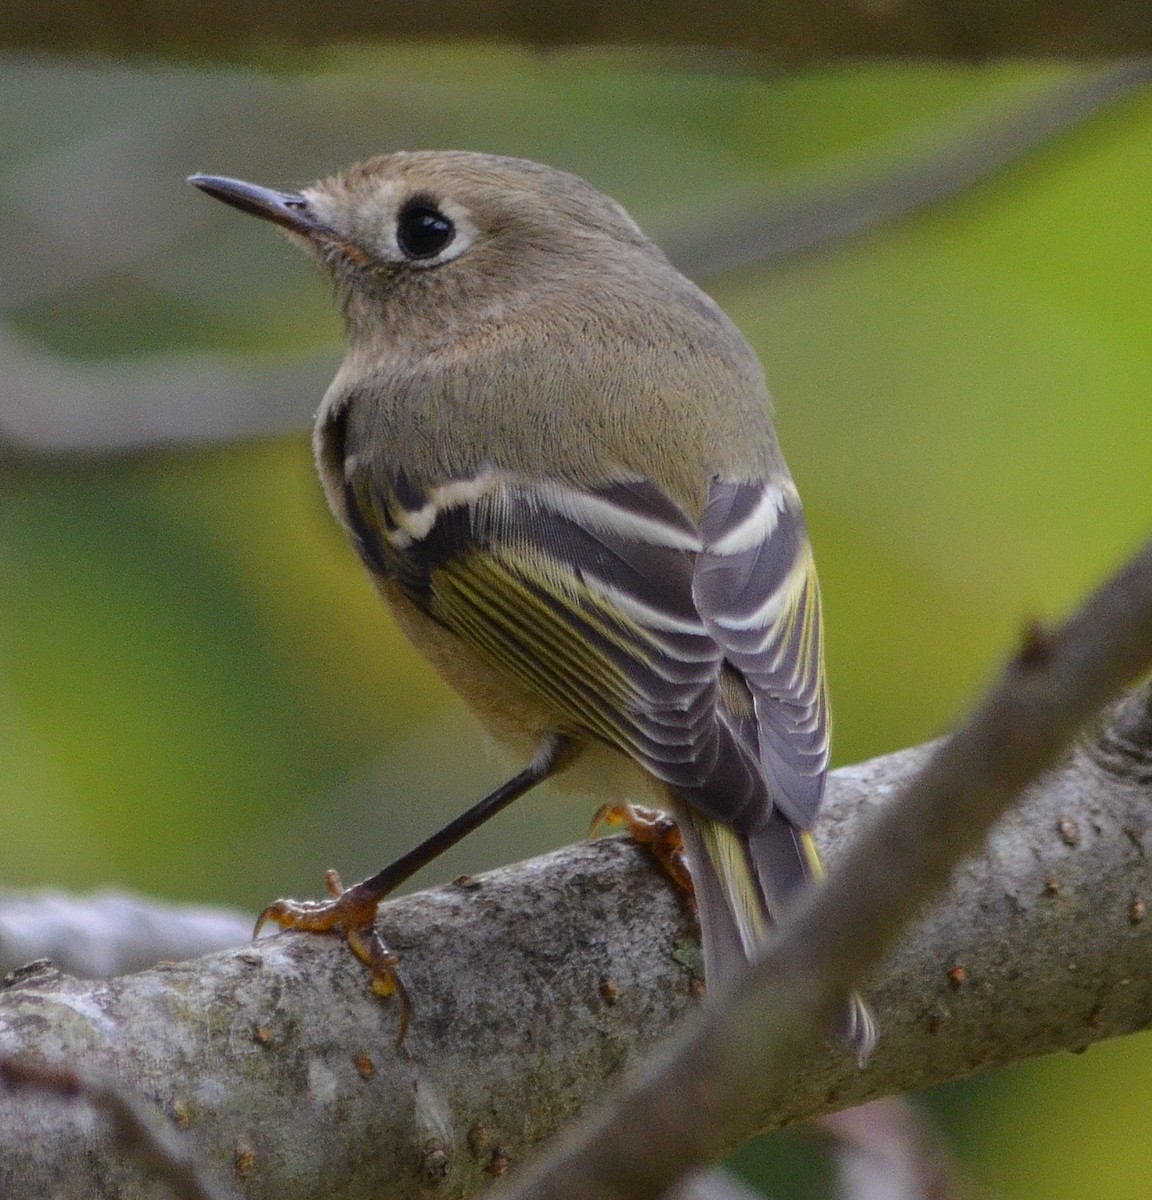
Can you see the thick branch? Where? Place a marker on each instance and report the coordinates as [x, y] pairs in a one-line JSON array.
[[538, 986], [791, 30]]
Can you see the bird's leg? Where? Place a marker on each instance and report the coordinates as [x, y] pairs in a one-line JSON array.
[[657, 832], [352, 911]]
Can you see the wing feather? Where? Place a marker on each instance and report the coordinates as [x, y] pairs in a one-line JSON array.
[[621, 612], [585, 596], [756, 590]]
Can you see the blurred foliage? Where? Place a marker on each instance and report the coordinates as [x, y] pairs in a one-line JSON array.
[[199, 693]]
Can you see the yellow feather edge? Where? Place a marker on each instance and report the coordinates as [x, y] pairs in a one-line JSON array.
[[728, 855]]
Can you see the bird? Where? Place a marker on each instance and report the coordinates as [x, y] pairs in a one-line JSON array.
[[555, 455]]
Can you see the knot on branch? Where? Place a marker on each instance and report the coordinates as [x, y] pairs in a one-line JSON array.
[[1122, 745]]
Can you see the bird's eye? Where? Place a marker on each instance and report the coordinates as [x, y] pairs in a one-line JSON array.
[[422, 230]]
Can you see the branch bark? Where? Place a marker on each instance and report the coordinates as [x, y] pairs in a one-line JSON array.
[[789, 30], [538, 985]]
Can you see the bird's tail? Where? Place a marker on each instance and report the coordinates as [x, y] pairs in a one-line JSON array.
[[743, 883]]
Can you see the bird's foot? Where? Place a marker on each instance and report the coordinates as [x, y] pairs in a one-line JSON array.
[[352, 912], [657, 832]]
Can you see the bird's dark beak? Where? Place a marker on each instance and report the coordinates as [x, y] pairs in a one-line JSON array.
[[288, 209]]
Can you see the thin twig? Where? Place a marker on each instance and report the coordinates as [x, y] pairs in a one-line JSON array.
[[771, 229], [135, 1125]]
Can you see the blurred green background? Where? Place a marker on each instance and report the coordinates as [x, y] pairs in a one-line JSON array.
[[200, 695]]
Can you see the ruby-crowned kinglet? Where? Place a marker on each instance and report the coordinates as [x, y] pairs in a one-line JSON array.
[[555, 455]]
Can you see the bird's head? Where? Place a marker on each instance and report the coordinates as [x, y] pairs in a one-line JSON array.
[[450, 238]]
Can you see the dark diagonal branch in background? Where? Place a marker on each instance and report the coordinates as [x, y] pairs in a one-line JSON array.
[[731, 1069], [773, 230], [538, 985]]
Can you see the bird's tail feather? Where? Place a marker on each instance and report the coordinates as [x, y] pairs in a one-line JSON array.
[[743, 883]]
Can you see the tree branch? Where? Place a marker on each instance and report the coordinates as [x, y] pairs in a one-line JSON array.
[[110, 933], [790, 30], [769, 230], [538, 985], [136, 1127]]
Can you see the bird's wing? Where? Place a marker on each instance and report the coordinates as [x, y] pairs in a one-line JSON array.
[[586, 597], [755, 589]]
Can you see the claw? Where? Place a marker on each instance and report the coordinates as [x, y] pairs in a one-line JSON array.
[[350, 911], [654, 829]]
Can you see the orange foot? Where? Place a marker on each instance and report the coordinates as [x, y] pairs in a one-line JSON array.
[[657, 831], [350, 911]]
